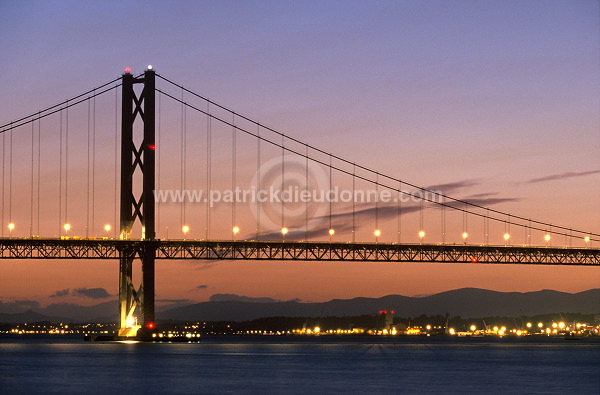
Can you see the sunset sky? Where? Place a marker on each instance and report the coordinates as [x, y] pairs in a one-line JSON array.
[[491, 100]]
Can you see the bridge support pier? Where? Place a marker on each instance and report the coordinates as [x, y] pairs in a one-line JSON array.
[[137, 206]]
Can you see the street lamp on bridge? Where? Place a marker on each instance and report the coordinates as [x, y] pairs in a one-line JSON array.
[[11, 226]]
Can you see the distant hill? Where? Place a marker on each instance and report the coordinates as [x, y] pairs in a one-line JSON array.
[[465, 302], [28, 316]]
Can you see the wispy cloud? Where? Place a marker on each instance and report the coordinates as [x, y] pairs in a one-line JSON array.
[[59, 293], [92, 293], [450, 187], [562, 176], [202, 286]]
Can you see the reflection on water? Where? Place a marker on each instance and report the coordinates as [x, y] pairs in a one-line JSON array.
[[269, 365]]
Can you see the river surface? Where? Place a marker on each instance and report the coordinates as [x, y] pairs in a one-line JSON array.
[[273, 364]]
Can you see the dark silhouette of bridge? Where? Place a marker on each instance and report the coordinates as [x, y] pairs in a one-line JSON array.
[[301, 240]]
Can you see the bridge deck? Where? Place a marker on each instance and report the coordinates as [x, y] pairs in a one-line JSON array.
[[294, 250]]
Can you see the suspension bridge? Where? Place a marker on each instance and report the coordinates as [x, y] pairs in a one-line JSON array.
[[108, 174]]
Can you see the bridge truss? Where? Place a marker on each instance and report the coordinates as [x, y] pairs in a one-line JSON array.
[[294, 251]]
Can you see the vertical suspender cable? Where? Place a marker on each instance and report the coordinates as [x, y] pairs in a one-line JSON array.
[[87, 200], [158, 149], [117, 227], [258, 205], [39, 167], [329, 197], [353, 202], [399, 213], [10, 174], [93, 164], [60, 160], [282, 181], [3, 168], [421, 214], [32, 178], [208, 165], [67, 164], [182, 165], [306, 205], [377, 200], [233, 172]]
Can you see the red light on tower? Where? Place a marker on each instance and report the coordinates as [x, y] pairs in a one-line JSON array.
[[150, 325], [152, 147], [127, 70], [392, 312]]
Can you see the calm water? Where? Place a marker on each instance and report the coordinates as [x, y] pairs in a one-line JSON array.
[[276, 365]]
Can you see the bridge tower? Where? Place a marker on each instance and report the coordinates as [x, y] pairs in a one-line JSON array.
[[137, 204]]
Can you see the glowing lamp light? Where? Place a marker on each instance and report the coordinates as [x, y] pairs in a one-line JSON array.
[[127, 70], [11, 226], [421, 234], [586, 239], [129, 321], [465, 235], [474, 259], [236, 230], [67, 227], [473, 328], [107, 227], [152, 147], [149, 67], [547, 237], [331, 232], [284, 231], [185, 229], [377, 233], [506, 236], [150, 325]]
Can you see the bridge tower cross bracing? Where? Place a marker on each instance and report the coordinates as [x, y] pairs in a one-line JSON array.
[[137, 207]]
